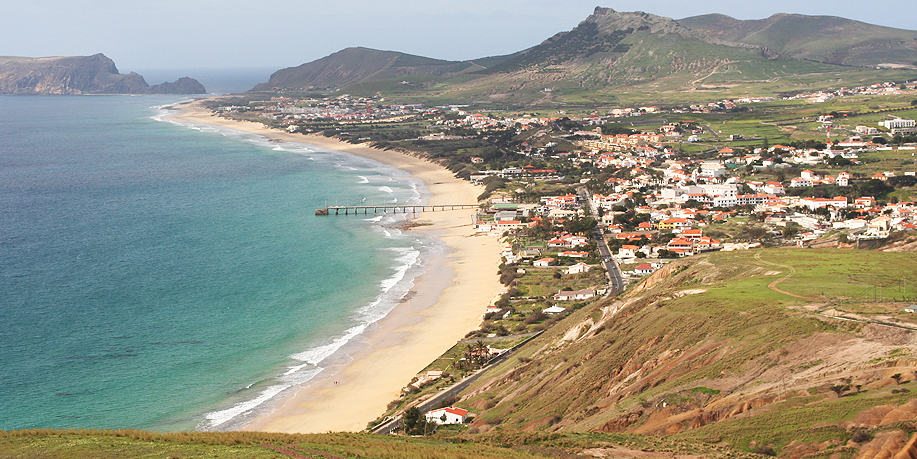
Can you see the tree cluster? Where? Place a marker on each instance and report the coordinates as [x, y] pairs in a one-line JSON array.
[[414, 423]]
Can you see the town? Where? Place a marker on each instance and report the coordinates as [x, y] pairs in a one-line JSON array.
[[590, 202], [659, 183]]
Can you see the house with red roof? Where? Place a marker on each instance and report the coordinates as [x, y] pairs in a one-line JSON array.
[[843, 179], [865, 202], [644, 269], [681, 245], [628, 251], [673, 223], [707, 244], [448, 415], [544, 262], [692, 234]]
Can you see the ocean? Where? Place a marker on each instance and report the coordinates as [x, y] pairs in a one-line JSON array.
[[162, 276]]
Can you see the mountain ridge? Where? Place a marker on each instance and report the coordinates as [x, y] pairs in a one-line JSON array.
[[357, 64], [611, 49], [828, 39], [96, 74]]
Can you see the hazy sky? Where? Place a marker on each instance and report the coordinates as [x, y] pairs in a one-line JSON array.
[[275, 34]]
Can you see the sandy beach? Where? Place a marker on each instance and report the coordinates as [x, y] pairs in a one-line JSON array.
[[447, 302]]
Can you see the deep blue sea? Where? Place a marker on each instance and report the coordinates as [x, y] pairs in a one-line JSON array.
[[172, 277]]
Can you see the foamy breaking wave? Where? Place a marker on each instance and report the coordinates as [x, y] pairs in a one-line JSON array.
[[391, 291], [316, 355], [407, 258], [218, 418]]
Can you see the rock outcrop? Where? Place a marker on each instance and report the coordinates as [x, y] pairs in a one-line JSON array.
[[96, 74]]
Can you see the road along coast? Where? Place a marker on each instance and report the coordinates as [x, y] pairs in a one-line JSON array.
[[448, 300]]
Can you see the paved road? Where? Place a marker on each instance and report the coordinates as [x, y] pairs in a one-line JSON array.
[[436, 401], [615, 278]]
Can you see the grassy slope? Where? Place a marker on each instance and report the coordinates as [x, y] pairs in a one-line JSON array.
[[656, 69], [668, 362], [821, 38], [136, 444]]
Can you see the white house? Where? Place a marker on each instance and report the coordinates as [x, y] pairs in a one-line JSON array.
[[578, 268], [799, 182], [567, 295], [448, 415], [774, 188], [843, 179], [544, 262], [839, 202], [628, 251], [644, 269], [711, 170]]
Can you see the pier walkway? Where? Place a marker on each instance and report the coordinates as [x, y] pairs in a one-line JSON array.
[[355, 210]]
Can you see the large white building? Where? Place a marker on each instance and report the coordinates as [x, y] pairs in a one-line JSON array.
[[839, 202], [897, 123]]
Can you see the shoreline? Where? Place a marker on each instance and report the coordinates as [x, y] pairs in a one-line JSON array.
[[446, 302]]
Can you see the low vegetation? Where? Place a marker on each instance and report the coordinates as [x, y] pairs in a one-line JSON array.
[[684, 353]]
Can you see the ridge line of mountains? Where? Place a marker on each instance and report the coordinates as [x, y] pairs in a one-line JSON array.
[[96, 74], [611, 48], [607, 50]]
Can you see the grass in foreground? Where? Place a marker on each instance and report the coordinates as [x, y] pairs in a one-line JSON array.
[[76, 444]]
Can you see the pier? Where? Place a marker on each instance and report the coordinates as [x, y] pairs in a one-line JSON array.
[[364, 210]]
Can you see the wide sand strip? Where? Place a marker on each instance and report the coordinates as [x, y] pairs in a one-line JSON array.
[[441, 311]]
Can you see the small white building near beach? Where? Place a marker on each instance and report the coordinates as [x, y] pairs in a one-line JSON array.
[[448, 415]]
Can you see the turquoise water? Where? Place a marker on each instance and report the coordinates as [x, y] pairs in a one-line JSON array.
[[170, 277]]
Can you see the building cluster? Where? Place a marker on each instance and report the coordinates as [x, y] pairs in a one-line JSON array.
[[343, 109], [887, 88], [671, 202]]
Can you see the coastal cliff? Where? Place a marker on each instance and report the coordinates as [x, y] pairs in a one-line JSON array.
[[96, 74]]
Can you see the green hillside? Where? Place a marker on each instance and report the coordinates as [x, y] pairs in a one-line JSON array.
[[826, 39], [356, 65], [620, 57], [735, 348]]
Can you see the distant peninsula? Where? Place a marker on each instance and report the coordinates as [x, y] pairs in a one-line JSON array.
[[96, 74]]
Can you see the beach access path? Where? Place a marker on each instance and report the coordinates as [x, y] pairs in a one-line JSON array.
[[447, 303]]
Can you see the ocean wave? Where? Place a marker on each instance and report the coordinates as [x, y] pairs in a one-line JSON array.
[[218, 418], [363, 179], [386, 189], [407, 258], [391, 291], [316, 355]]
